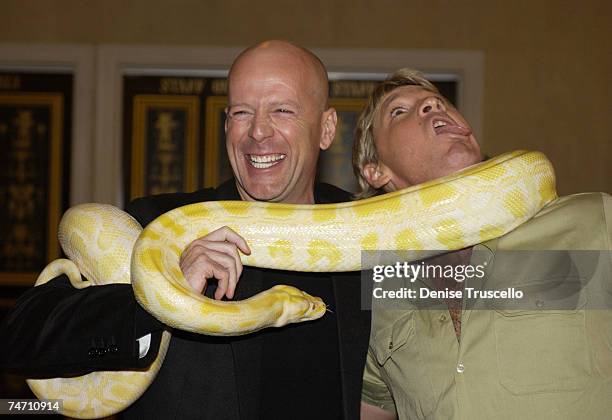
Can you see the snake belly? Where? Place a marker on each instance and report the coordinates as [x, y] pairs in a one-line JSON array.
[[480, 203]]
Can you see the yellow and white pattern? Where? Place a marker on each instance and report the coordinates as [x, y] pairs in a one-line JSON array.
[[477, 204], [99, 238]]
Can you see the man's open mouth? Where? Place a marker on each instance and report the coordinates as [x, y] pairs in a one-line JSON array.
[[265, 161], [442, 125]]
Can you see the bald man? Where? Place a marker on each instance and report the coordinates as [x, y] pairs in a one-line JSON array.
[[277, 122]]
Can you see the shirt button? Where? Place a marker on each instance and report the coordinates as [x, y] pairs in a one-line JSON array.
[[460, 368], [539, 303], [442, 318]]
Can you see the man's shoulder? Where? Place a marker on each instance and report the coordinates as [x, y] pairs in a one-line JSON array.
[[587, 204], [146, 209], [578, 221]]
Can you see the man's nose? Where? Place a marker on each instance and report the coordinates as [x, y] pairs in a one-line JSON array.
[[431, 104], [261, 127]]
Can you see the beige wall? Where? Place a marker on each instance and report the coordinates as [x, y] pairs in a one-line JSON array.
[[547, 63]]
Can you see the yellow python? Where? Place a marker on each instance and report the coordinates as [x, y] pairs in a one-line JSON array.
[[477, 204]]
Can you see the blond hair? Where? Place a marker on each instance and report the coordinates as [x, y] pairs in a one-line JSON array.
[[364, 148]]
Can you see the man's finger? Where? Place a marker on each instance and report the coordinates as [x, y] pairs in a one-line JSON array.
[[226, 234], [227, 282], [231, 250], [222, 276]]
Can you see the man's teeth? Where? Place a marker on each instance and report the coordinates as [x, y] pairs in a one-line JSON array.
[[439, 124], [265, 161]]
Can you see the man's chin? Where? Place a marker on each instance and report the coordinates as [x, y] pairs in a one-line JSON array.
[[260, 193], [460, 156]]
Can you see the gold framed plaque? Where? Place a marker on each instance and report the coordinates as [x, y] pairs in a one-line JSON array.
[[164, 148], [31, 134], [216, 165]]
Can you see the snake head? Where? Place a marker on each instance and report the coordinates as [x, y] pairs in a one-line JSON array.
[[298, 306]]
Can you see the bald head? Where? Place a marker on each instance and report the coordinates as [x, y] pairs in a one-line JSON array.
[[292, 58]]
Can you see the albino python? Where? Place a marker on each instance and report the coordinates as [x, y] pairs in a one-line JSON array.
[[479, 203]]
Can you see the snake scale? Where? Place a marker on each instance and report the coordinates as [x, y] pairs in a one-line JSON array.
[[481, 202]]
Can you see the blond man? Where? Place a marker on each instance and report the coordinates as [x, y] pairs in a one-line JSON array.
[[531, 361]]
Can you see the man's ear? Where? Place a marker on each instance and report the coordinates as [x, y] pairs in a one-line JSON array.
[[226, 117], [377, 175], [329, 119]]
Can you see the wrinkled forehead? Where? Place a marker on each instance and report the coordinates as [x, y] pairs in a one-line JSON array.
[[264, 73], [291, 69]]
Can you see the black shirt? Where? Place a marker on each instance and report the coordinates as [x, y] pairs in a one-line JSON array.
[[292, 356]]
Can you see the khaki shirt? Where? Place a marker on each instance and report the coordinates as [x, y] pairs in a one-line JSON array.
[[510, 363]]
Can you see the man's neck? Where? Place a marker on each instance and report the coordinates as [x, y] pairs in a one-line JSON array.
[[455, 258], [306, 197]]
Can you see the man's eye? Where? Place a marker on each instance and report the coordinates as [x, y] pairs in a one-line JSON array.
[[238, 113], [397, 111], [284, 111]]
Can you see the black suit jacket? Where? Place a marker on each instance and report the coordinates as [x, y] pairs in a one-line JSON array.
[[56, 330]]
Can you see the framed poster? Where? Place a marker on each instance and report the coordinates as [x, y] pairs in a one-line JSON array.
[[164, 144], [163, 133], [33, 173]]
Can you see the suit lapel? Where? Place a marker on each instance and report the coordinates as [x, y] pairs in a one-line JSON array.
[[353, 336]]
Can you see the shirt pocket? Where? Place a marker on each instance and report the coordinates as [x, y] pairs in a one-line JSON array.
[[542, 343], [392, 338], [402, 366]]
